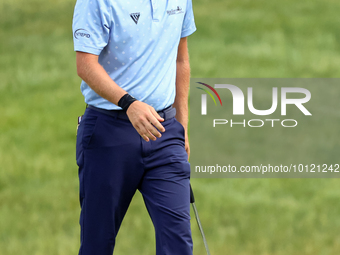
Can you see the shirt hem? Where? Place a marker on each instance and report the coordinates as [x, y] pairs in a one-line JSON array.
[[187, 32], [87, 49]]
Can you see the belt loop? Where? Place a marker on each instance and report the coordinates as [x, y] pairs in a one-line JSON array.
[[165, 115]]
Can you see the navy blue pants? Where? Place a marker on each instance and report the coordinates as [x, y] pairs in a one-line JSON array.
[[114, 161]]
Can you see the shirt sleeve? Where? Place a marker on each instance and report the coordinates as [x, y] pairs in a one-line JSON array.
[[189, 26], [91, 25]]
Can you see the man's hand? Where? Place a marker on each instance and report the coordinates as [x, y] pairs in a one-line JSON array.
[[145, 120], [143, 117]]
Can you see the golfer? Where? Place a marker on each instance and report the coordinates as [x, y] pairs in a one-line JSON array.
[[133, 60]]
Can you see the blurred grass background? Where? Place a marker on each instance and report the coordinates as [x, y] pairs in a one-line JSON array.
[[40, 101]]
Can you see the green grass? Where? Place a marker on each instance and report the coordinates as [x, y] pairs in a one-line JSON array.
[[40, 101], [265, 39]]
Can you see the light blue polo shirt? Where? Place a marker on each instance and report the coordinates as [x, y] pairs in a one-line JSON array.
[[137, 43]]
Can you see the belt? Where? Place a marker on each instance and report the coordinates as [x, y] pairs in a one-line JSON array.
[[166, 114]]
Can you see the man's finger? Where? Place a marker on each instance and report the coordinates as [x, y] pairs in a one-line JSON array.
[[158, 117], [145, 138], [155, 121], [145, 133], [151, 128], [147, 128]]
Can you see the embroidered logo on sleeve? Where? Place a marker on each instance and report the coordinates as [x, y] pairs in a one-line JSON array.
[[135, 16], [81, 33]]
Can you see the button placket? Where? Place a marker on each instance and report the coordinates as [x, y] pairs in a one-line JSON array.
[[155, 15]]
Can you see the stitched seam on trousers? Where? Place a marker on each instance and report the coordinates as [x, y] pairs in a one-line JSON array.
[[83, 211]]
